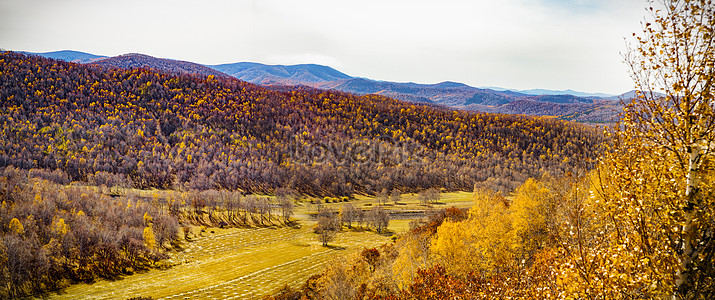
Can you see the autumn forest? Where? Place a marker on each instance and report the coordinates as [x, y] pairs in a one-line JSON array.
[[107, 172]]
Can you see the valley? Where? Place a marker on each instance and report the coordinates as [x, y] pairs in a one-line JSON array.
[[132, 176], [250, 263]]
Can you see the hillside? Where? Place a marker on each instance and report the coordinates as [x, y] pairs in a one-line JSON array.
[[162, 130], [135, 60], [279, 74]]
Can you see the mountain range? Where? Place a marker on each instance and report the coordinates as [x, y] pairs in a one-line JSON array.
[[567, 104], [70, 56]]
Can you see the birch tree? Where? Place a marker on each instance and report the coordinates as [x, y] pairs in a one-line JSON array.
[[658, 194]]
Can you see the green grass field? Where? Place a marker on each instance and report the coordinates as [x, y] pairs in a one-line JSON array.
[[248, 263]]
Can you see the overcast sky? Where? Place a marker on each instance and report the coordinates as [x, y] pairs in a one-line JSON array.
[[521, 44]]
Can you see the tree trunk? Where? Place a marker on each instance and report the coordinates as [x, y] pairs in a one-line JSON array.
[[688, 232]]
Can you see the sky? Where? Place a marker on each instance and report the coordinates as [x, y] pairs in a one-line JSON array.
[[519, 44]]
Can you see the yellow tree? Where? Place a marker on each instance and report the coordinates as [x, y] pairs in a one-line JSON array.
[[149, 238], [16, 227], [530, 211], [483, 243], [655, 190]]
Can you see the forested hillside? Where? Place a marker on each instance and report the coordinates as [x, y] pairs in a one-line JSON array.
[[136, 60], [143, 128]]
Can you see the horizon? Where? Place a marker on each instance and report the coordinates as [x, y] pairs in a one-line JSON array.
[[516, 44]]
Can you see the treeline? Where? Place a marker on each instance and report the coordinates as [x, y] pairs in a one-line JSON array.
[[226, 208], [52, 235], [144, 129]]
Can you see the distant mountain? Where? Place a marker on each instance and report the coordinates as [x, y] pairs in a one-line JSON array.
[[538, 92], [632, 94], [445, 93], [452, 94], [135, 60], [70, 56], [564, 92], [279, 74]]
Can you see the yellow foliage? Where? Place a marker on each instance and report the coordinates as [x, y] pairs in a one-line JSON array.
[[483, 242], [59, 227], [529, 209], [16, 226], [147, 219], [413, 255], [149, 239]]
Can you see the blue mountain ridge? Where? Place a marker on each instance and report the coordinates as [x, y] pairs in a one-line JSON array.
[[70, 56]]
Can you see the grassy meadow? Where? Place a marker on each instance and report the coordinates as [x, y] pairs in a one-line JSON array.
[[246, 263]]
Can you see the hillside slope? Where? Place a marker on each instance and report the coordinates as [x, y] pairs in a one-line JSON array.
[[135, 60], [172, 131], [280, 74]]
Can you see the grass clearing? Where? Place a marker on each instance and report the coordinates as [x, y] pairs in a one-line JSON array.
[[235, 263], [410, 201]]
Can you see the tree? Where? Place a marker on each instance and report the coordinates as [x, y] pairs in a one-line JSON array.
[[395, 196], [481, 243], [149, 238], [423, 198], [378, 218], [530, 211], [676, 56], [348, 214], [328, 225], [16, 227], [371, 256], [382, 197], [654, 194], [432, 195], [264, 207], [286, 205]]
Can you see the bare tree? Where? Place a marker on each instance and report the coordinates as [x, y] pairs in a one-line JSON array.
[[250, 207], [264, 208], [348, 214], [286, 205], [360, 217], [432, 195], [395, 196], [378, 218], [328, 225], [382, 197]]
